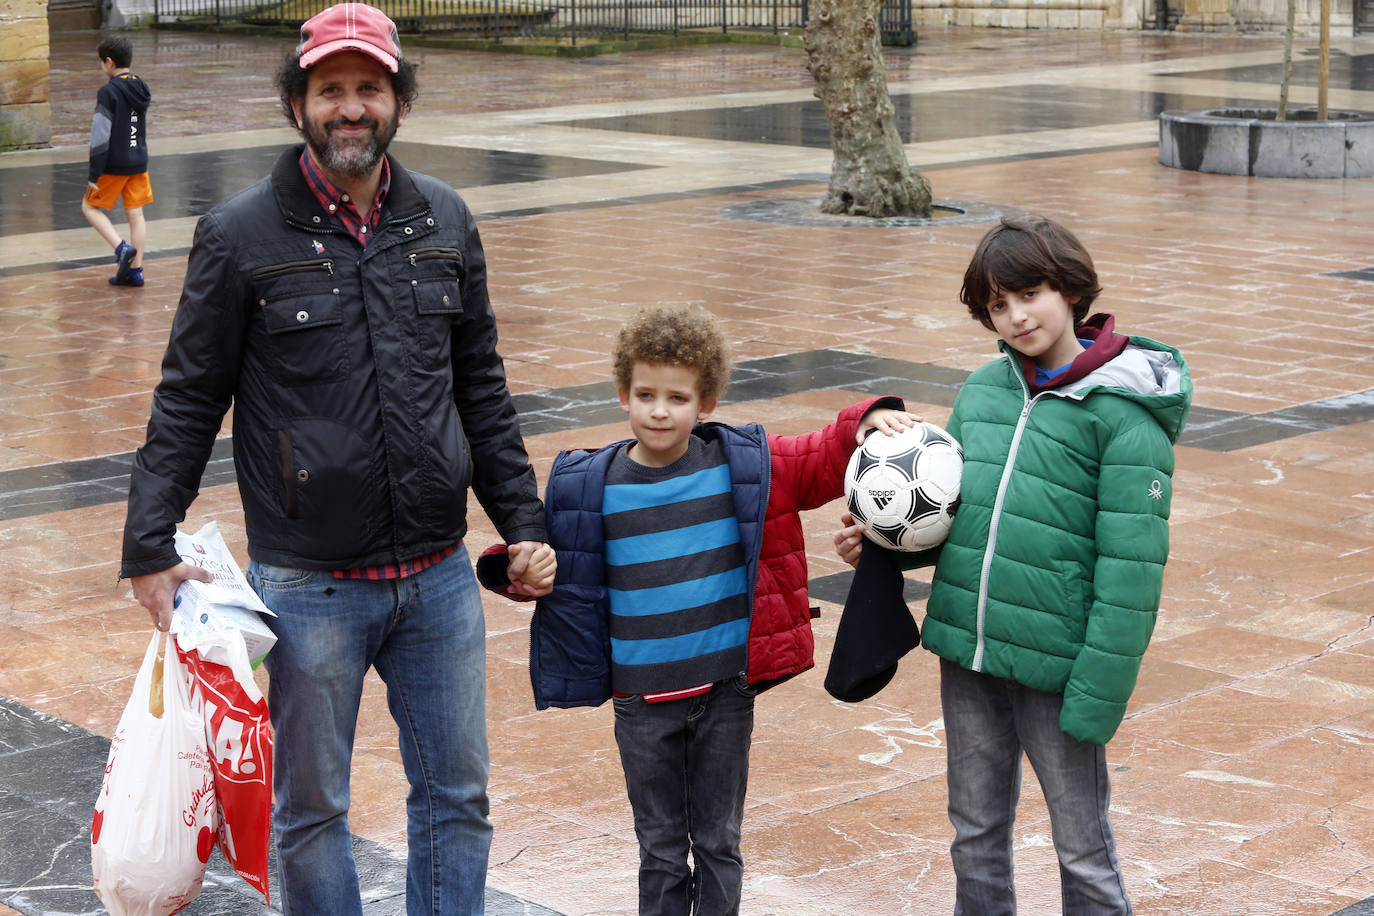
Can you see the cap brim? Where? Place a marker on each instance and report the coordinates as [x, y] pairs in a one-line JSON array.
[[315, 55]]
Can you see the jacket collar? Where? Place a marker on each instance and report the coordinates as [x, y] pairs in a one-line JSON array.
[[299, 204], [1106, 345]]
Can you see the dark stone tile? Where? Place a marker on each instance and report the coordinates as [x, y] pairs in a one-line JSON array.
[[22, 729], [61, 778], [921, 117], [538, 424], [835, 588], [1224, 431], [1236, 433], [44, 198], [1364, 273], [564, 398], [86, 482], [1346, 71]]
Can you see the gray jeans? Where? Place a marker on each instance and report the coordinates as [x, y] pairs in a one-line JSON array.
[[686, 770], [988, 723]]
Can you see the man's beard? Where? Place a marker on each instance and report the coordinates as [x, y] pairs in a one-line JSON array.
[[347, 157]]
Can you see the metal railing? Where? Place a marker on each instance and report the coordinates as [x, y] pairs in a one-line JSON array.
[[559, 20]]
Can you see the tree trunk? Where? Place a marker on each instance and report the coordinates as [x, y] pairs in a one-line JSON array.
[[870, 175], [1282, 113]]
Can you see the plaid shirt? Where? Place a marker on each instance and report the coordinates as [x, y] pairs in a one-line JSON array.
[[397, 570], [340, 205]]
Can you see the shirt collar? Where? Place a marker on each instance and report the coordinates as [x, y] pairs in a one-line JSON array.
[[332, 197]]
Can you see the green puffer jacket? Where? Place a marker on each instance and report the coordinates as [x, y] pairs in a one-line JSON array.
[[1052, 572]]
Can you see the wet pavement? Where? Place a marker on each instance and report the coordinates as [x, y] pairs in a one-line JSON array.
[[1242, 771]]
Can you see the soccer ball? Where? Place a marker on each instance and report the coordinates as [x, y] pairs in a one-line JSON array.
[[905, 488]]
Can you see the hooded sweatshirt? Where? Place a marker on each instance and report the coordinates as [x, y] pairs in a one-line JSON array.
[[1053, 569], [119, 131]]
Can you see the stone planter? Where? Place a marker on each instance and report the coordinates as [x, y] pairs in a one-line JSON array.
[[1249, 141]]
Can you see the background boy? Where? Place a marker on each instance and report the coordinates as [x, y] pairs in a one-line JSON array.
[[683, 593], [1045, 594], [119, 159]]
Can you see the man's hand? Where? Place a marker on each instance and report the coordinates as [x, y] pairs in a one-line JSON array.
[[155, 590], [532, 568], [887, 421], [849, 540]]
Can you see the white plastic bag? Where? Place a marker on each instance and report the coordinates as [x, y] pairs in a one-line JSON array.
[[155, 819], [206, 611]]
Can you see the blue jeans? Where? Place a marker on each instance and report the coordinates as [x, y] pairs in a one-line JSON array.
[[426, 637], [988, 723], [686, 768]]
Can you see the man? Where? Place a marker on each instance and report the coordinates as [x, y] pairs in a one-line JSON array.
[[341, 306]]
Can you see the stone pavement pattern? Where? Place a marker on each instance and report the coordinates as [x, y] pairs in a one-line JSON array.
[[1242, 772]]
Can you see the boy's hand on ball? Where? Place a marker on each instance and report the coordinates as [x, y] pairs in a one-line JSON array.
[[849, 540], [887, 421]]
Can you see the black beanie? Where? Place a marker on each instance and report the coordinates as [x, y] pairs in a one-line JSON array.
[[876, 629]]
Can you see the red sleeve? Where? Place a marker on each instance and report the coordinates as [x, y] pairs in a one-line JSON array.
[[810, 467]]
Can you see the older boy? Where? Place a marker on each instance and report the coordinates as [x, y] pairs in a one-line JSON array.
[[1045, 594], [681, 592], [119, 159]]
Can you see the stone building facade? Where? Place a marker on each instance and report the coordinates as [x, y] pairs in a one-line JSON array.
[[25, 117]]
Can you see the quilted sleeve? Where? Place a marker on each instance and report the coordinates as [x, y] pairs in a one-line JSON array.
[[811, 466], [1132, 545]]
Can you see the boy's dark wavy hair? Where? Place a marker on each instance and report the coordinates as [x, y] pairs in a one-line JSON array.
[[292, 82], [117, 48], [1025, 251]]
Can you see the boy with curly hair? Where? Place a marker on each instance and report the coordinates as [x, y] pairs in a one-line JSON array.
[[681, 593]]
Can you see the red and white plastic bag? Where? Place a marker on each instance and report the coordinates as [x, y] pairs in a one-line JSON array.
[[239, 735], [156, 817]]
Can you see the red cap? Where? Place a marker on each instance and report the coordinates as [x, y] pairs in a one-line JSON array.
[[349, 27]]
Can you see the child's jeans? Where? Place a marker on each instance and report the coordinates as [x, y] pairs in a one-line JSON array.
[[686, 768], [988, 723]]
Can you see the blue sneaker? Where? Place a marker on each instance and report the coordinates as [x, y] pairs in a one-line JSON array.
[[133, 278], [124, 256]]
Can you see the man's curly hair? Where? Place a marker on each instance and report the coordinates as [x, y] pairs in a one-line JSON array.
[[688, 337], [292, 83]]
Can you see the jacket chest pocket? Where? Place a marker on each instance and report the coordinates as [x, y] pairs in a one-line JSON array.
[[302, 312], [435, 276]]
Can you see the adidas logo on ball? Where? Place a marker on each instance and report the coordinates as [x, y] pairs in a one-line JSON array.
[[905, 488]]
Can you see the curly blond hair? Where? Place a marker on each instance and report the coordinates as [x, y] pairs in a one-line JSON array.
[[689, 337]]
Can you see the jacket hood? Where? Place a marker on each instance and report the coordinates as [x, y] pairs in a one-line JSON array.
[[1104, 344], [134, 91], [1149, 372], [1137, 367]]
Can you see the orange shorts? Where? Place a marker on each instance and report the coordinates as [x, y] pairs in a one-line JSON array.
[[136, 190]]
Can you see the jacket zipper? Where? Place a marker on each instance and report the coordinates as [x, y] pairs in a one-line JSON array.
[[294, 267], [991, 547], [763, 522], [432, 254]]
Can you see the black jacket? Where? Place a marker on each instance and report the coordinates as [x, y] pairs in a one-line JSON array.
[[367, 390], [119, 130]]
